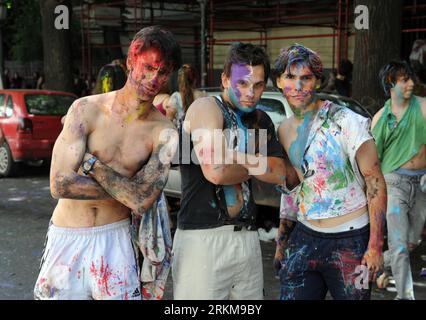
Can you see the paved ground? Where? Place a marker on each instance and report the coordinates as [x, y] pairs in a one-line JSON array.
[[25, 210]]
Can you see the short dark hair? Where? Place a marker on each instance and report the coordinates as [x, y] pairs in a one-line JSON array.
[[390, 73], [298, 53], [345, 67], [161, 39], [246, 53]]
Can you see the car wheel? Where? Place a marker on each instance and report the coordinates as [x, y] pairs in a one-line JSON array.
[[7, 165]]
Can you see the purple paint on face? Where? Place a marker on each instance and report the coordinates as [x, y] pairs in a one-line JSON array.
[[239, 72]]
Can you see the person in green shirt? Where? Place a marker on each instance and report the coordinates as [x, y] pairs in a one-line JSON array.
[[399, 129]]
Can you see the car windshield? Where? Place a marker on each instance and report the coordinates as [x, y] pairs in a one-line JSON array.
[[48, 104]]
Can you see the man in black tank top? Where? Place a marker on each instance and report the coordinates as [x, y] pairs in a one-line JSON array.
[[216, 251]]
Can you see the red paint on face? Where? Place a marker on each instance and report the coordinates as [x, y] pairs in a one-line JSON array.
[[148, 72]]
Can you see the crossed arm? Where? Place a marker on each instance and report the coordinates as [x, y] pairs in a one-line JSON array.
[[142, 190], [137, 193], [213, 154], [68, 152]]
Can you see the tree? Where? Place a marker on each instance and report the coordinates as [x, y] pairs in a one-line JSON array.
[[22, 31], [374, 47], [56, 47]]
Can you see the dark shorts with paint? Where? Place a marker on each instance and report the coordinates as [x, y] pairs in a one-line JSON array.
[[315, 263]]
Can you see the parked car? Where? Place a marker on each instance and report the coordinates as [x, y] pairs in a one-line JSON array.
[[30, 121], [264, 194]]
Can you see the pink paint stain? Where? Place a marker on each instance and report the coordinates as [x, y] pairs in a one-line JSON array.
[[102, 275]]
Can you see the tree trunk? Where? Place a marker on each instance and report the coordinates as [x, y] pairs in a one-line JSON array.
[[56, 48], [375, 47]]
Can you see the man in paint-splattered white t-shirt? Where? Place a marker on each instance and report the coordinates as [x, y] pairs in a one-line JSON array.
[[340, 203]]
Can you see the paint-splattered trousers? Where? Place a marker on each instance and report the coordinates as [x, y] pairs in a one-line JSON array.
[[406, 215], [315, 263], [89, 263]]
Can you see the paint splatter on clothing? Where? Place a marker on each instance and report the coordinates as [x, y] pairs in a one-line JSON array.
[[151, 234], [315, 263], [335, 186], [89, 263]]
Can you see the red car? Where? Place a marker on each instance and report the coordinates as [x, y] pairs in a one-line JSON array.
[[30, 122]]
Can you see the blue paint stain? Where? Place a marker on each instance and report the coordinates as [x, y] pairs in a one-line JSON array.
[[297, 148], [230, 195], [332, 151], [396, 210], [318, 207]]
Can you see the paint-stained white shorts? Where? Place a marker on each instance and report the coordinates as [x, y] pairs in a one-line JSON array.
[[217, 264], [89, 263]]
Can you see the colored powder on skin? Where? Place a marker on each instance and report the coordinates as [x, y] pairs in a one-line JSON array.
[[230, 195], [297, 148], [399, 94], [239, 72]]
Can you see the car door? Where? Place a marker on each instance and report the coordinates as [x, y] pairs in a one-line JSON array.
[[7, 121]]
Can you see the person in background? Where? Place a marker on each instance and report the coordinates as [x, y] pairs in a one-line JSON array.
[[161, 100], [6, 79], [399, 129], [16, 81], [342, 82], [111, 77], [180, 100], [40, 82]]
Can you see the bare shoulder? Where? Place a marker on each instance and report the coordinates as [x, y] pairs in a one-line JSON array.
[[377, 117], [285, 130], [285, 126], [205, 112], [90, 105]]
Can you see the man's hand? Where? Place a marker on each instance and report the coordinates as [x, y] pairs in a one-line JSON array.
[[373, 259], [278, 258]]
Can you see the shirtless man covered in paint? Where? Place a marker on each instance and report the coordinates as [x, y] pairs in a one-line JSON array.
[[111, 158], [340, 204]]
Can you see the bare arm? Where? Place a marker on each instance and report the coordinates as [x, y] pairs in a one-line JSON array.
[[67, 156], [1, 138], [267, 169], [369, 166], [210, 143], [141, 191]]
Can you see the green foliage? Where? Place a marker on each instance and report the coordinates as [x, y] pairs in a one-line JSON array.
[[24, 24]]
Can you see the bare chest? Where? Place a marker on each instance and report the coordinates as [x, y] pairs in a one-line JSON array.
[[123, 147]]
